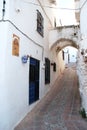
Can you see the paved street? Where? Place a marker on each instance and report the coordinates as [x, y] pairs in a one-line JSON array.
[[59, 110]]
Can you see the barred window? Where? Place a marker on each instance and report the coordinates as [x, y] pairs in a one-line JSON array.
[[40, 22]]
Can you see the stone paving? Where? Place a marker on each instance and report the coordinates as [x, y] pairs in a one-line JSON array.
[[59, 109]]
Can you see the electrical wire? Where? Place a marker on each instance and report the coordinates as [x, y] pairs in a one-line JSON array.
[[36, 5], [61, 8], [3, 13], [83, 4], [20, 31], [24, 34]]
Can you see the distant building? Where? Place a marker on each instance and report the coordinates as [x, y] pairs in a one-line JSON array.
[[70, 54]]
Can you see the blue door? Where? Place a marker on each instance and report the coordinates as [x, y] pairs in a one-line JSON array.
[[33, 80]]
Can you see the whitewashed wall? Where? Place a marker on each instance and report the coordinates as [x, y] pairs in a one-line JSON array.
[[82, 66], [14, 76], [66, 32], [4, 101]]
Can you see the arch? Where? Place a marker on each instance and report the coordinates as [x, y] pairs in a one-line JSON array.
[[64, 42]]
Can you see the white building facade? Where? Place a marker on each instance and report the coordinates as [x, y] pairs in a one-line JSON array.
[[28, 68], [82, 55]]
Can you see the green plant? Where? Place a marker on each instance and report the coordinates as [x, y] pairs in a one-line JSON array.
[[83, 113]]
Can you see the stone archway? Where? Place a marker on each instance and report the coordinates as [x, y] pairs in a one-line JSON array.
[[62, 43], [64, 36], [59, 38]]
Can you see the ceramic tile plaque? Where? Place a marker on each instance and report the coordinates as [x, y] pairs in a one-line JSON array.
[[15, 45]]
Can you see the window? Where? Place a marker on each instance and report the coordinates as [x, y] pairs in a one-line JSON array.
[[40, 20], [63, 54], [47, 71]]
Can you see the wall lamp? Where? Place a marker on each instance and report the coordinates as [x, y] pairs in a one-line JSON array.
[[54, 66]]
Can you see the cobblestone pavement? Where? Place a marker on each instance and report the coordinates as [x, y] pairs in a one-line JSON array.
[[59, 110]]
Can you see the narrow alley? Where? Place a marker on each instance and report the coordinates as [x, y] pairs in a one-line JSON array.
[[59, 110]]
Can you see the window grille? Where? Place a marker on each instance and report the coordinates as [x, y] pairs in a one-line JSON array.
[[40, 22]]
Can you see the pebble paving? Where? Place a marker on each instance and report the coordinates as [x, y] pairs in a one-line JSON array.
[[59, 109]]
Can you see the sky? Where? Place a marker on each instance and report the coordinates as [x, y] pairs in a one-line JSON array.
[[65, 16]]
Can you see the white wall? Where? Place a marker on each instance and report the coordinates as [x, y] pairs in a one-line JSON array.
[[61, 63], [14, 75], [3, 90], [82, 66], [4, 105], [66, 32]]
